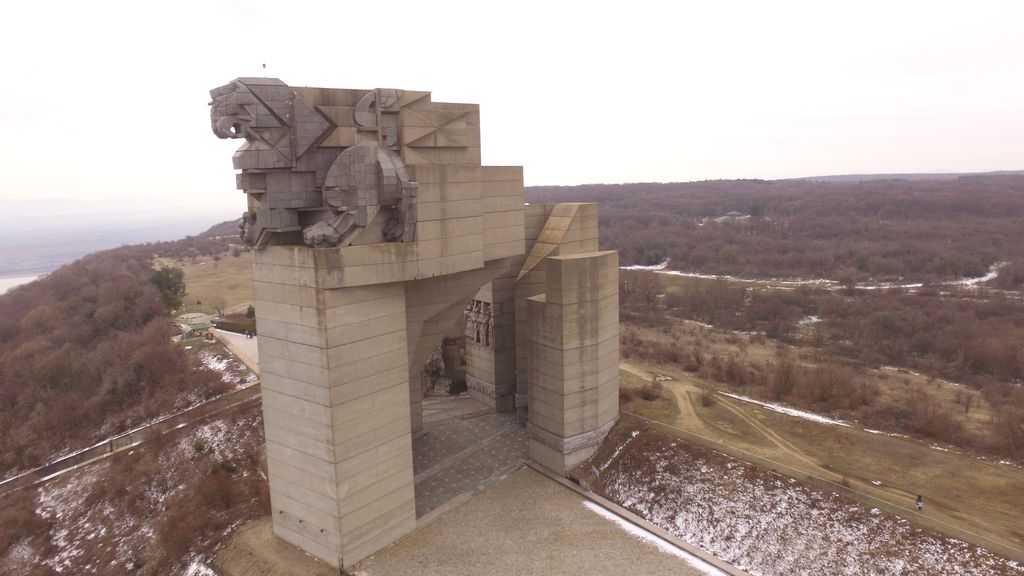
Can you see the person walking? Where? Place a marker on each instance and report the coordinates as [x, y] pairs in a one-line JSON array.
[[920, 503]]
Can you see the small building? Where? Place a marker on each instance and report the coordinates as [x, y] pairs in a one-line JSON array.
[[733, 218], [193, 325]]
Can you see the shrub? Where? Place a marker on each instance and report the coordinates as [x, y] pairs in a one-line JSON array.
[[652, 391]]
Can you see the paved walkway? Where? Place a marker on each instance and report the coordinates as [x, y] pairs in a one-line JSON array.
[[479, 512], [464, 452], [245, 349], [526, 524]]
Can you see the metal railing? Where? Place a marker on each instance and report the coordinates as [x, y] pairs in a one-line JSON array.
[[129, 439]]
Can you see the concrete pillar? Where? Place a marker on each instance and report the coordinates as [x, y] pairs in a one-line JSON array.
[[334, 371], [491, 361], [551, 230], [573, 378]]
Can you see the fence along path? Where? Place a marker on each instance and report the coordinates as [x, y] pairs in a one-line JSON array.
[[132, 438]]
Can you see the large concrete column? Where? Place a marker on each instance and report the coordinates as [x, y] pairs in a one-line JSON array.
[[573, 377], [336, 407], [552, 230], [373, 223]]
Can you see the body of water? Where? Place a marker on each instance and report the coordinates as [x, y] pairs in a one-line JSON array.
[[8, 283]]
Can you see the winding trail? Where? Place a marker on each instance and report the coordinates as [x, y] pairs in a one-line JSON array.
[[792, 456]]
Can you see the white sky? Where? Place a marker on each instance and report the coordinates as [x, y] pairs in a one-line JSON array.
[[108, 100]]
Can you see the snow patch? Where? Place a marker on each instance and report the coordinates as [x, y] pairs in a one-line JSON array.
[[658, 542], [893, 434], [769, 525], [993, 272], [615, 454], [230, 369], [807, 320], [789, 411], [198, 568], [653, 268]]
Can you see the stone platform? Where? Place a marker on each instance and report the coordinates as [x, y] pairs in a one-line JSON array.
[[525, 524], [464, 447]]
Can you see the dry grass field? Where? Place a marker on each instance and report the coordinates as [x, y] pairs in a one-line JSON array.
[[209, 281], [968, 492], [889, 386]]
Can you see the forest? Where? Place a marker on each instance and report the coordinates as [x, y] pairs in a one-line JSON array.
[[920, 235], [974, 340], [85, 352], [883, 230]]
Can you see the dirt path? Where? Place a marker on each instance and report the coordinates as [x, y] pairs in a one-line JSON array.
[[781, 443], [679, 390], [690, 419], [785, 451]]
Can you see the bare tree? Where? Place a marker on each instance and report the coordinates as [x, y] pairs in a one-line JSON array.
[[785, 374], [219, 304], [639, 287]]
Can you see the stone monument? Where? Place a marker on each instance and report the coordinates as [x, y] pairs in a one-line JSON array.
[[374, 225]]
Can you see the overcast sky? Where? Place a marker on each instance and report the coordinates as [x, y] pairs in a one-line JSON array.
[[108, 100]]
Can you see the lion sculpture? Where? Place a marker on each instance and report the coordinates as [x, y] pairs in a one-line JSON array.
[[324, 175]]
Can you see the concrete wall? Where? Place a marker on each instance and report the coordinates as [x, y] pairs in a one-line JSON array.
[[555, 229], [573, 378], [334, 367]]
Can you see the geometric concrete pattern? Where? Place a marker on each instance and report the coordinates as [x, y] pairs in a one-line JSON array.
[[374, 225]]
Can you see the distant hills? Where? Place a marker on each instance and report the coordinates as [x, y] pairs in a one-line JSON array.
[[918, 176], [39, 235]]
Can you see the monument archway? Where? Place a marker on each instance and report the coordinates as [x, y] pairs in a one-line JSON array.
[[373, 225]]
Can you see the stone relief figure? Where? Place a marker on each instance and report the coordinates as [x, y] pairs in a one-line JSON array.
[[304, 183], [480, 323]]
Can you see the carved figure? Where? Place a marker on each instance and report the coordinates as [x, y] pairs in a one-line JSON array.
[[306, 184], [480, 323]]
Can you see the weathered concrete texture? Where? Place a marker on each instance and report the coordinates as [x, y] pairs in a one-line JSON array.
[[434, 309], [491, 347], [375, 224], [402, 226], [342, 395], [336, 411], [574, 356], [557, 229], [341, 167], [524, 525]]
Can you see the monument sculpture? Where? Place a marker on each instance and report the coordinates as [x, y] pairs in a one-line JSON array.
[[377, 232]]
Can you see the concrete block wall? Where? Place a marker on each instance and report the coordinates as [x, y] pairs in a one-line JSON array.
[[334, 370], [573, 378], [552, 230]]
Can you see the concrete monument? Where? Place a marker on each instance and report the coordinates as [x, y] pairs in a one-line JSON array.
[[374, 225]]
